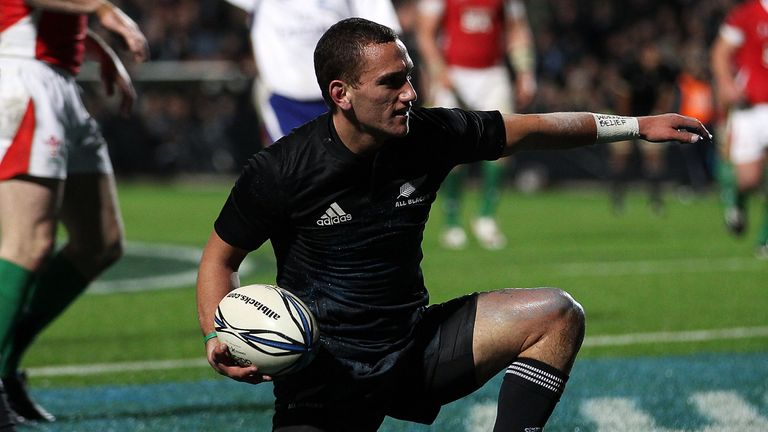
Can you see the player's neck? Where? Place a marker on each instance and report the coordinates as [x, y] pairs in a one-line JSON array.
[[355, 137]]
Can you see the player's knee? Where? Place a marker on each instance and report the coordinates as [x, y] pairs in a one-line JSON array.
[[30, 254], [93, 258], [112, 252], [566, 312]]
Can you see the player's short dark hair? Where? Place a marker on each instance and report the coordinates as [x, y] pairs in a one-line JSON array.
[[339, 53]]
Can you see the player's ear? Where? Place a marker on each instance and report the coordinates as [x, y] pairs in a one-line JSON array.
[[339, 94]]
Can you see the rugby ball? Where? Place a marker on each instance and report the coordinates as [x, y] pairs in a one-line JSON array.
[[267, 326]]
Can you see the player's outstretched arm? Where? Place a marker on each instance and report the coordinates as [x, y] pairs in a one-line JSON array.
[[569, 130], [217, 276]]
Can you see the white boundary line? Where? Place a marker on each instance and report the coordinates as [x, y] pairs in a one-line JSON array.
[[665, 266], [675, 337], [594, 341], [179, 279]]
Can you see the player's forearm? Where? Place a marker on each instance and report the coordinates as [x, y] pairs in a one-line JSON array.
[[722, 69], [217, 276], [69, 6], [212, 285], [520, 50], [426, 37], [569, 130], [549, 131]]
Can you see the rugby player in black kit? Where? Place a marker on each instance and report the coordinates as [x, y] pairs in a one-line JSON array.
[[344, 200]]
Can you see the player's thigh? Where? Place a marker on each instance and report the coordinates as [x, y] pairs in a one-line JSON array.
[[28, 219], [90, 209], [749, 175], [508, 321], [746, 135], [485, 88]]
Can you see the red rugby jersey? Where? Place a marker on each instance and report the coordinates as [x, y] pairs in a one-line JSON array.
[[747, 24], [56, 38], [473, 32]]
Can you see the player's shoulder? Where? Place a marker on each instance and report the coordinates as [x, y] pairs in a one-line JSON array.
[[451, 120], [295, 155]]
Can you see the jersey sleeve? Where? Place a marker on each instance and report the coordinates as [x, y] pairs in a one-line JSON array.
[[252, 212], [465, 136], [732, 28]]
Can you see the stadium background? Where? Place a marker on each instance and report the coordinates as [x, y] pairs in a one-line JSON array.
[[678, 334], [195, 113]]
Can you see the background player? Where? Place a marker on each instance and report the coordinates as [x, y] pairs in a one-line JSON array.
[[465, 44], [740, 68], [54, 167], [283, 37], [383, 351], [649, 88]]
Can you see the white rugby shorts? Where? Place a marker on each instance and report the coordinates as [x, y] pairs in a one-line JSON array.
[[485, 89], [45, 130], [748, 133]]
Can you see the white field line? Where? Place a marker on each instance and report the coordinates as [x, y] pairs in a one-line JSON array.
[[110, 368], [179, 279], [725, 410], [665, 266], [672, 337], [593, 341]]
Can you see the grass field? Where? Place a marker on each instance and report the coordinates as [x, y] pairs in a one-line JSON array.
[[674, 286]]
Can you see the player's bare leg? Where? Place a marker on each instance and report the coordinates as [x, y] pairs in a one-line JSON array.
[[90, 214], [749, 179], [28, 209], [535, 334]]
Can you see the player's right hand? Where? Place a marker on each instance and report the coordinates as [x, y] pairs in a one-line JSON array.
[[116, 20], [222, 362]]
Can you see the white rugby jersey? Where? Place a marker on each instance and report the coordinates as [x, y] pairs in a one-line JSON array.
[[284, 34], [53, 37]]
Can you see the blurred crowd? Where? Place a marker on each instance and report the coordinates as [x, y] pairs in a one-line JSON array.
[[583, 47]]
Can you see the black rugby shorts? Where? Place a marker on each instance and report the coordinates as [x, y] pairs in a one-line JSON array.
[[436, 367]]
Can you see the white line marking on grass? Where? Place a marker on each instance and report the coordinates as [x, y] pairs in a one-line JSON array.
[[665, 266], [608, 340], [672, 337], [482, 416], [619, 414], [152, 282], [729, 411], [110, 368]]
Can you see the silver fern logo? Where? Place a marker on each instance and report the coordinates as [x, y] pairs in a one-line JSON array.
[[406, 190]]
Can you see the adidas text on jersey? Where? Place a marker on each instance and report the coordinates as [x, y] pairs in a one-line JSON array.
[[333, 216]]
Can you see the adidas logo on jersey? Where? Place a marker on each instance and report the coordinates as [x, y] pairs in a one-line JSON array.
[[333, 216]]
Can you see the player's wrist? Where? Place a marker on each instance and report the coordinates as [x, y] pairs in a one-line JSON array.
[[209, 336], [611, 128]]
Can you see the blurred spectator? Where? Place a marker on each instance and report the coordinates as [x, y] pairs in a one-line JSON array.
[[467, 46], [648, 89], [581, 45]]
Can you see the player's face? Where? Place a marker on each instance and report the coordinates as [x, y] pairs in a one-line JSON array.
[[383, 97]]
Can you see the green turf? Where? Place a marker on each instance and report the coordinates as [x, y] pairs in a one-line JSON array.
[[635, 272]]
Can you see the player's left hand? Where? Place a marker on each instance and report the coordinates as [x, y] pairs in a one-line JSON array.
[[117, 21], [672, 127], [222, 362]]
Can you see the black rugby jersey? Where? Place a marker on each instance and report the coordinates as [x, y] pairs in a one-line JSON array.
[[347, 230]]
